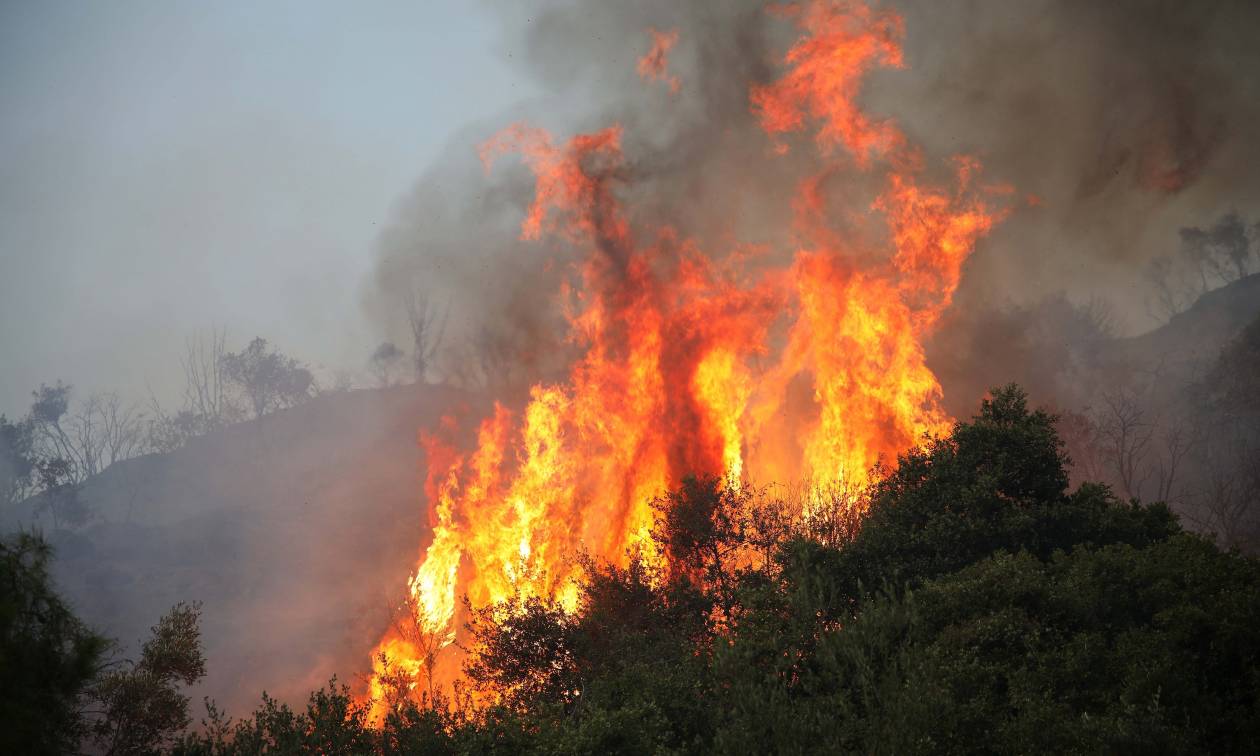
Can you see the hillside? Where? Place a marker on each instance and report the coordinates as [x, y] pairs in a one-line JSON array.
[[1193, 339], [292, 530]]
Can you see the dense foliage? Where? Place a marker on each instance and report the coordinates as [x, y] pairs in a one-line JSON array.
[[62, 686], [47, 656], [980, 607]]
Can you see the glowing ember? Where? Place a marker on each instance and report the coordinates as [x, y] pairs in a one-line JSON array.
[[690, 361]]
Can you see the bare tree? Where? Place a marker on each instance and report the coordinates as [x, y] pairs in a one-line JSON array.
[[1173, 294], [101, 431], [1226, 461], [1080, 437], [205, 384], [207, 402], [1100, 315], [1126, 437], [1177, 444], [1230, 488], [428, 328], [110, 430]]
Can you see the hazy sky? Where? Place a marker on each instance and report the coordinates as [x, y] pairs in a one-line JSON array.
[[172, 165]]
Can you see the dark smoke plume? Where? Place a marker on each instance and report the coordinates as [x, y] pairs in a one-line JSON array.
[[1118, 122]]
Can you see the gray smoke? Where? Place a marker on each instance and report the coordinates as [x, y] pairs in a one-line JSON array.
[[1126, 121]]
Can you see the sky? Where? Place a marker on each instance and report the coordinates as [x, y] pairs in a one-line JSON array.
[[173, 166]]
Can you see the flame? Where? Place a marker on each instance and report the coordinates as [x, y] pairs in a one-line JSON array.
[[693, 363], [654, 65]]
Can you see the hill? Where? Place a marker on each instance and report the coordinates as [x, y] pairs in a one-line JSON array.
[[1191, 340], [292, 530]]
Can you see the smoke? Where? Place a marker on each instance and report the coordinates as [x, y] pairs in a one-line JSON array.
[[1126, 120], [1115, 127], [1117, 124]]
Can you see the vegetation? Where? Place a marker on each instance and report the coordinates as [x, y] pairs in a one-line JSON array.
[[63, 441], [61, 686], [47, 656], [982, 606], [1206, 258], [267, 379], [140, 702]]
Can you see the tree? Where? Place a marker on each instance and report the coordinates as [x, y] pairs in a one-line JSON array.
[[1206, 258], [207, 402], [57, 685], [109, 430], [48, 657], [141, 705], [524, 653], [1118, 649], [1128, 438], [205, 384], [59, 494], [268, 379], [997, 482], [1230, 386], [385, 362], [701, 524], [53, 441], [428, 327], [100, 431], [17, 460], [1227, 461]]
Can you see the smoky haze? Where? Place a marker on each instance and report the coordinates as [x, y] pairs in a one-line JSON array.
[[169, 167]]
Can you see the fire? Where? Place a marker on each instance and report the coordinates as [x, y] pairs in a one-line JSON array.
[[654, 65], [690, 362]]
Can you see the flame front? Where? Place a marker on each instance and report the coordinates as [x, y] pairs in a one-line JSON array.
[[697, 364]]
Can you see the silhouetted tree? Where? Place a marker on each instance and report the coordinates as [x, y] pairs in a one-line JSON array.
[[47, 656], [17, 460], [1227, 461], [141, 705], [206, 395], [268, 379], [1207, 258], [59, 494], [100, 431], [428, 328]]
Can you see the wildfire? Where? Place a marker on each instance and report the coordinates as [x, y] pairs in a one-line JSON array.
[[690, 361]]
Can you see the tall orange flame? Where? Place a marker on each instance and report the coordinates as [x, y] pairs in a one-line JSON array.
[[690, 362]]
